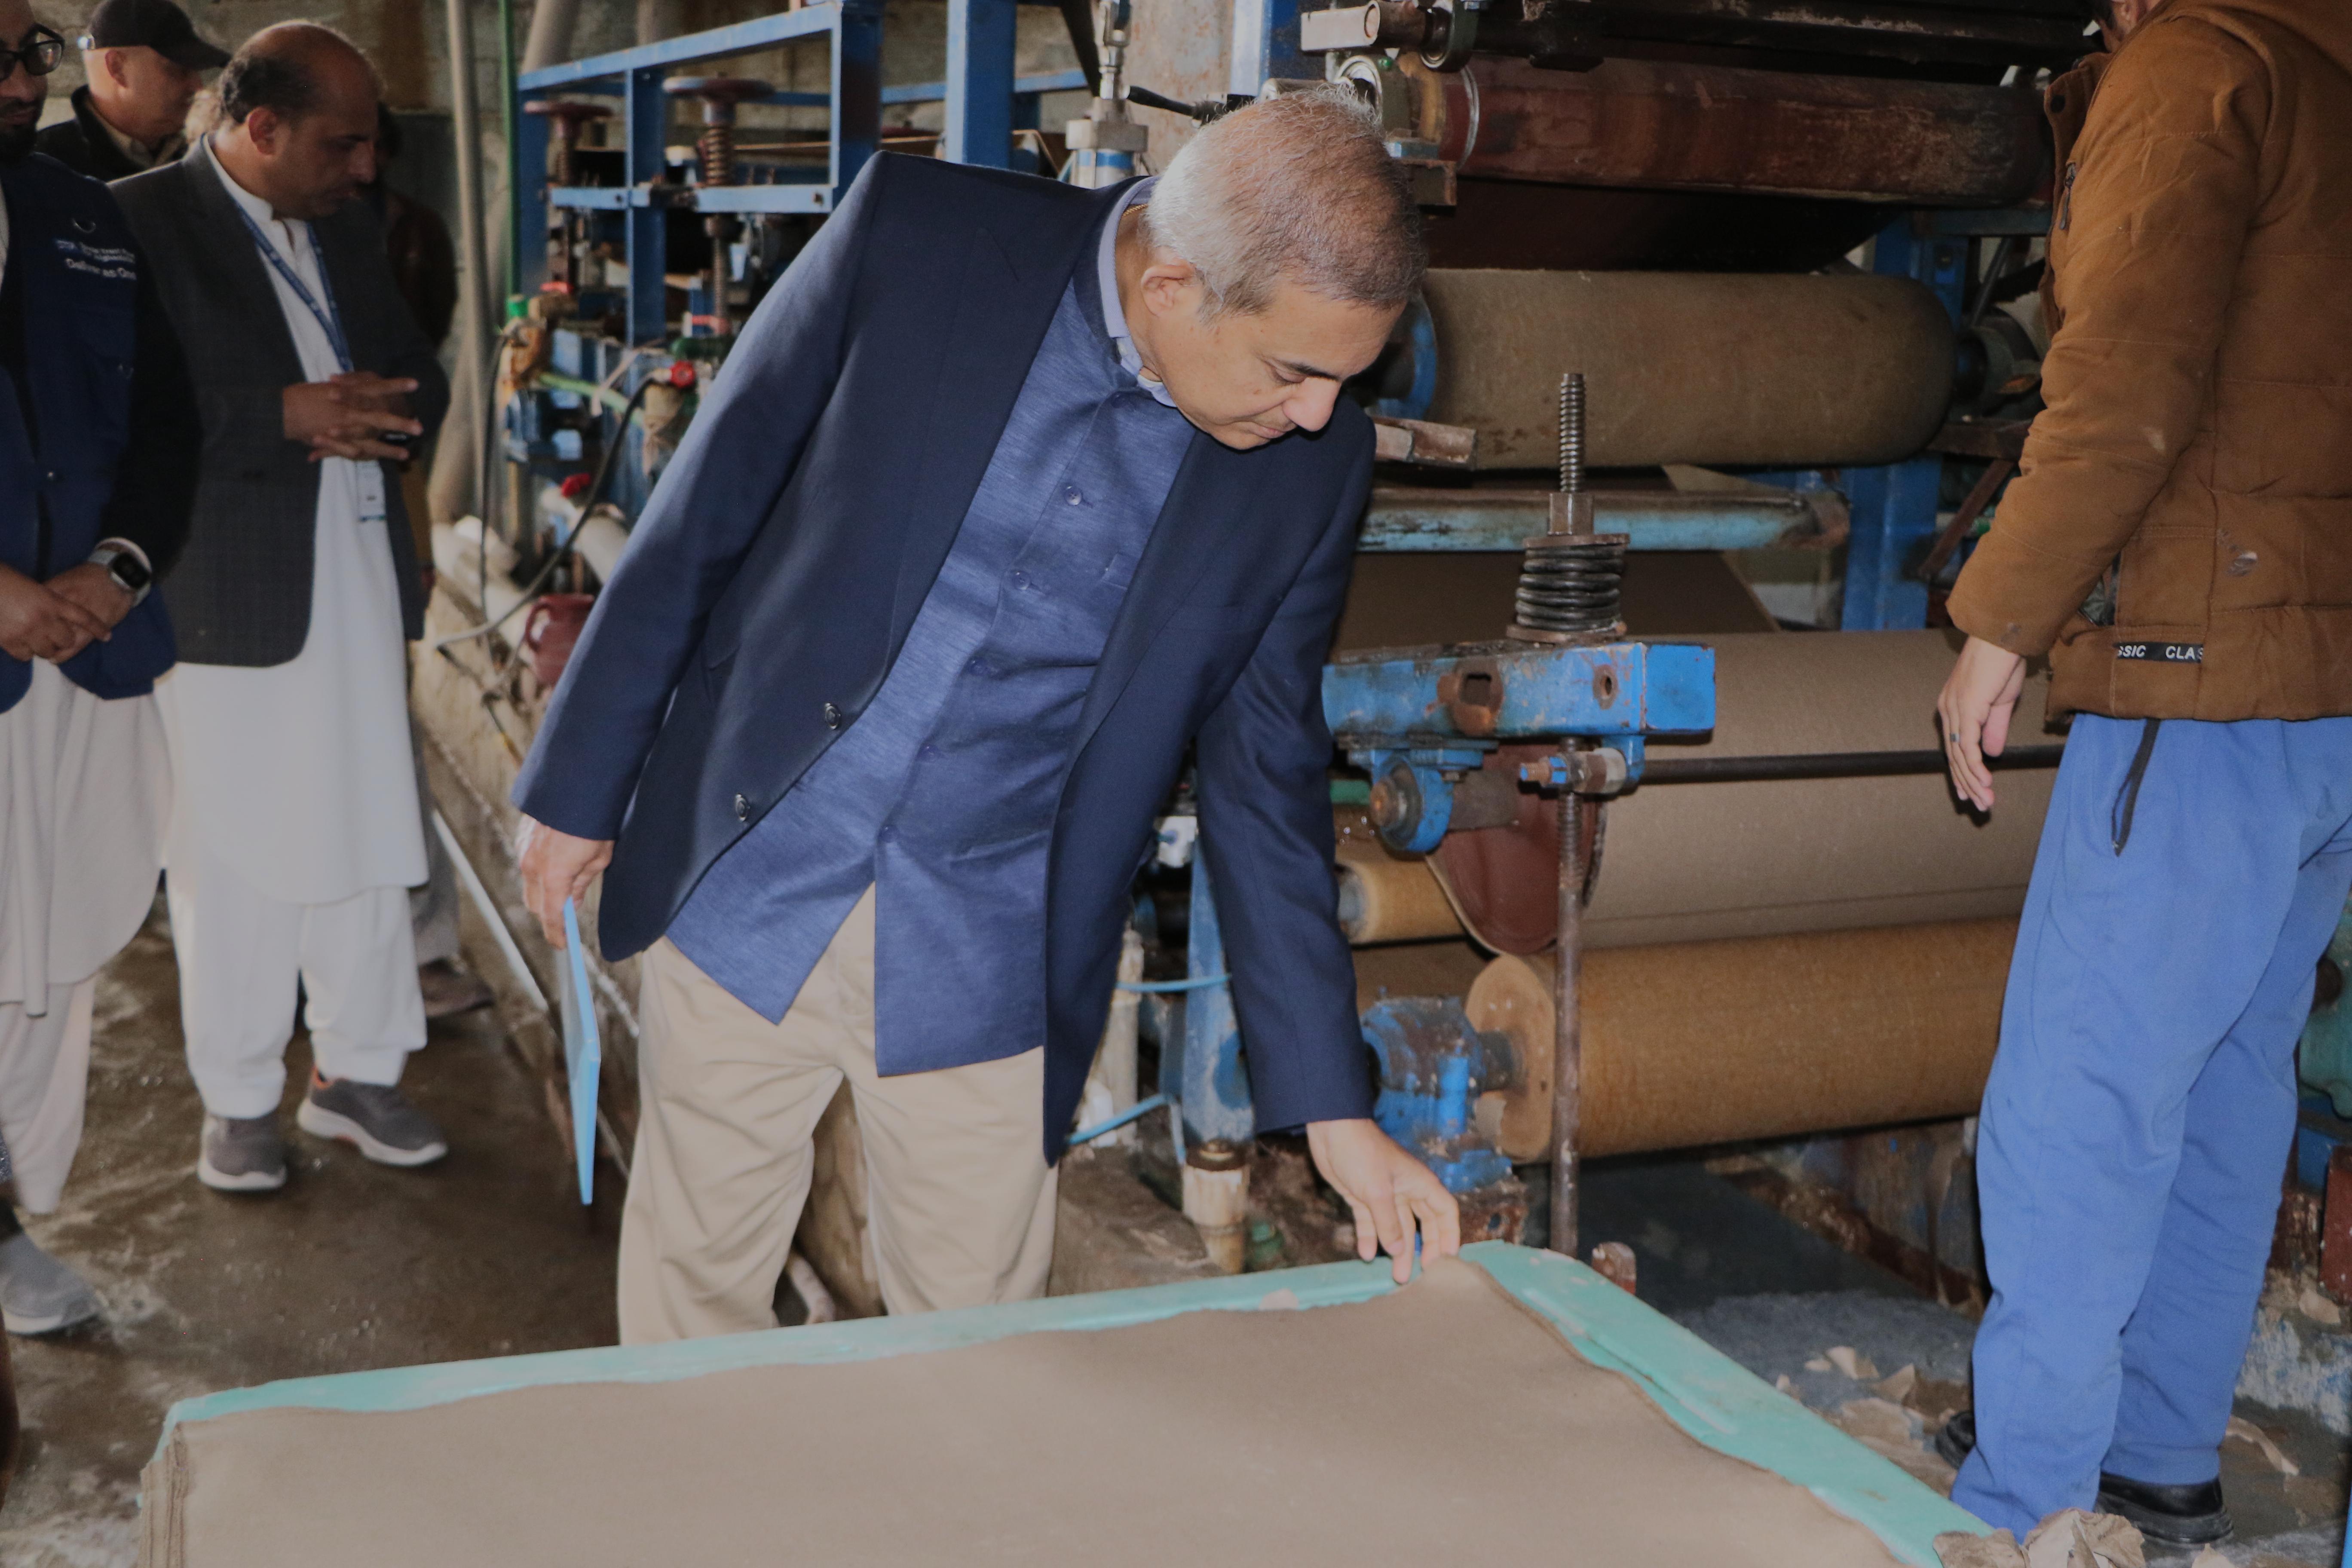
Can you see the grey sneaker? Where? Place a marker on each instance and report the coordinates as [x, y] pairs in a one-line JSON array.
[[374, 1118], [242, 1154], [39, 1295]]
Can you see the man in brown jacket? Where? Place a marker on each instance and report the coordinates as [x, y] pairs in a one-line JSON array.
[[2180, 543]]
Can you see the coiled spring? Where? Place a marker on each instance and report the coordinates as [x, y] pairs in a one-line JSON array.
[[717, 145], [1570, 587]]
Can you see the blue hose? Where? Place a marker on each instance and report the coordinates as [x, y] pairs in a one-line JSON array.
[[1198, 983], [1111, 1124]]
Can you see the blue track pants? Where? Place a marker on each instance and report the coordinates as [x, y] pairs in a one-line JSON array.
[[2138, 1122]]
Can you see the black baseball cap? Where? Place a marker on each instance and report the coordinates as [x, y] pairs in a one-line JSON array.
[[156, 25]]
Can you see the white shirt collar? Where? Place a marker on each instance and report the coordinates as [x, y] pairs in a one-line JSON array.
[[256, 207], [1106, 284]]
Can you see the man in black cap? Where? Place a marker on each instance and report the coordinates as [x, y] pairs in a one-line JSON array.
[[145, 64]]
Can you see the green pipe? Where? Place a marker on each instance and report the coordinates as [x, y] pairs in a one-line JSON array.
[[603, 395]]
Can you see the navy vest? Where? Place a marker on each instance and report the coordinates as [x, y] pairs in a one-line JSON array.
[[71, 254]]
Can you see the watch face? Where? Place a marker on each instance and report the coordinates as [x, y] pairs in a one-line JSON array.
[[127, 570]]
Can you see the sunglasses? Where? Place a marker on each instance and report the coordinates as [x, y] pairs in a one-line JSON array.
[[39, 53]]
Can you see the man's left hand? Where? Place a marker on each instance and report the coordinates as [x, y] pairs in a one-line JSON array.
[[1974, 709], [89, 586], [1390, 1193]]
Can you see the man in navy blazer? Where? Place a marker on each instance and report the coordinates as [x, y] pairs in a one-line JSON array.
[[1010, 495]]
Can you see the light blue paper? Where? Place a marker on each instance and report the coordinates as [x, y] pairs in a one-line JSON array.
[[584, 1054]]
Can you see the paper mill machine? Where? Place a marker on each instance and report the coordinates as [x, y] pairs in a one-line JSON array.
[[1640, 213]]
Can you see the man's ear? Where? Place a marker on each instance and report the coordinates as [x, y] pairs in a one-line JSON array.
[[1169, 286], [265, 130], [117, 70]]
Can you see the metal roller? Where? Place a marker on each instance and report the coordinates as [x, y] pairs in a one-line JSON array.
[[1754, 369], [1385, 897], [1662, 125], [1692, 1044]]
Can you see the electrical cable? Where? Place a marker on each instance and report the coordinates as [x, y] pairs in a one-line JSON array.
[[588, 500]]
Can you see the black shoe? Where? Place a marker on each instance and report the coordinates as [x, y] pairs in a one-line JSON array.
[[1957, 1438], [2177, 1515]]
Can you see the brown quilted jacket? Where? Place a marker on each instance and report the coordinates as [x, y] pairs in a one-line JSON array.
[[2194, 464]]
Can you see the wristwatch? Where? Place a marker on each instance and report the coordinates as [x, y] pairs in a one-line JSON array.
[[125, 570]]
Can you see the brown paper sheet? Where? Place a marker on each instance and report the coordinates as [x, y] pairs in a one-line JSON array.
[[1442, 1423], [1694, 861]]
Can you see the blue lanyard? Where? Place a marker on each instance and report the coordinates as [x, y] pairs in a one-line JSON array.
[[325, 314]]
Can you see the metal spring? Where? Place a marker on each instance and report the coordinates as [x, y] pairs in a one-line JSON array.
[[1571, 585], [717, 145], [1571, 432]]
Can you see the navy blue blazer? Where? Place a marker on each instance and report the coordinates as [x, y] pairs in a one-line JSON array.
[[798, 528]]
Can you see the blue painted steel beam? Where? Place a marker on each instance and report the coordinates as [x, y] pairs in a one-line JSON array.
[[937, 91], [644, 117], [1894, 507], [808, 195], [980, 83], [906, 93], [1894, 512], [1213, 1086], [1265, 44], [856, 84], [530, 200], [741, 38], [1530, 692], [1402, 519]]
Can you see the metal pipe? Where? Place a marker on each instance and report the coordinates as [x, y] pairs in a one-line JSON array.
[[1827, 765], [476, 352], [1411, 518], [1567, 1088], [510, 119]]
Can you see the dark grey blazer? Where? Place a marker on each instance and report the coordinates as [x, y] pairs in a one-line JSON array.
[[241, 591]]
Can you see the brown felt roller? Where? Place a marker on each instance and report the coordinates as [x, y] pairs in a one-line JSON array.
[[1390, 897], [1721, 369], [1690, 1044]]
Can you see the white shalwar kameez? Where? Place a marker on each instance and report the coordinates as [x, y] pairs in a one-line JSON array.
[[295, 835], [84, 786]]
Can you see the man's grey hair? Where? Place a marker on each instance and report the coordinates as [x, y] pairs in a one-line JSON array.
[[1299, 188]]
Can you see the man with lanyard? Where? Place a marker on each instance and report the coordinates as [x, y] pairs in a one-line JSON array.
[[295, 836], [99, 438]]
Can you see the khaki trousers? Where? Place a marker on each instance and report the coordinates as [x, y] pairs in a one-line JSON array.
[[960, 1198]]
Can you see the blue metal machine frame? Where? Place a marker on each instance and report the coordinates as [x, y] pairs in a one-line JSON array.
[[986, 103], [1895, 508]]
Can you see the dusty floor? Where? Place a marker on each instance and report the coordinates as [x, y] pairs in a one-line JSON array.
[[352, 1266]]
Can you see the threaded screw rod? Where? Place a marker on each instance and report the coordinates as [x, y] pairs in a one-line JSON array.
[[1572, 433]]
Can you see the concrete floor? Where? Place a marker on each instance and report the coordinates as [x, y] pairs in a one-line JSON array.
[[352, 1266]]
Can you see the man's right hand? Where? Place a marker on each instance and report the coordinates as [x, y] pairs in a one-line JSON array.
[[556, 866], [37, 623], [346, 416]]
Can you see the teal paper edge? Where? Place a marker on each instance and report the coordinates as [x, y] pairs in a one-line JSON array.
[[1701, 1390], [1724, 1406]]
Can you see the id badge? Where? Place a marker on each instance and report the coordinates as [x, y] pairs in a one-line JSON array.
[[371, 478]]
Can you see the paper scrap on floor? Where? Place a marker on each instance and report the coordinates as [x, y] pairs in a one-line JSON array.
[[1445, 1423]]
